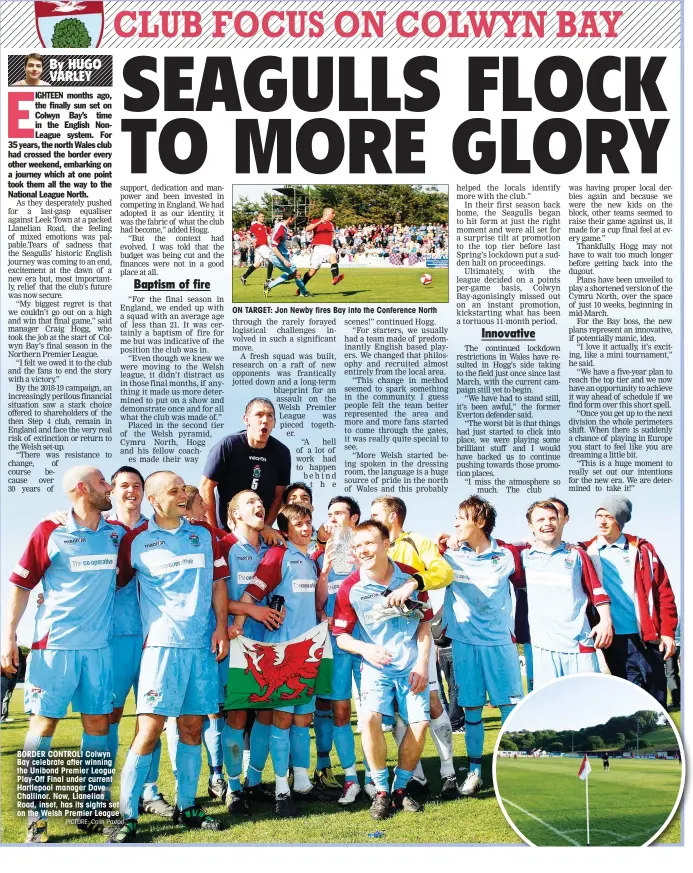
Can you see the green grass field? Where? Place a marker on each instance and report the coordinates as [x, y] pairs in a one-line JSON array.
[[663, 739], [474, 820], [628, 804], [360, 285]]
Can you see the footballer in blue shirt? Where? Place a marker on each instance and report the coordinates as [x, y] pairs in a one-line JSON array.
[[181, 574], [70, 659], [395, 643], [478, 615], [333, 713], [291, 573], [246, 549]]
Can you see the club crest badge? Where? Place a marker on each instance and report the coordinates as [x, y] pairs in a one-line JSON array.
[[69, 23]]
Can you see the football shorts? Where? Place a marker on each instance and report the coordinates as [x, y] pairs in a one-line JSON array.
[[550, 665], [380, 691], [126, 654], [56, 678], [319, 255], [176, 681], [482, 671]]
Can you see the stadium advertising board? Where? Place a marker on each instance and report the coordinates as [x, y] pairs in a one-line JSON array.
[[270, 271]]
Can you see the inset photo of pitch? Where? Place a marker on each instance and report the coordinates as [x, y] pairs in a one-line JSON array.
[[340, 244], [589, 760]]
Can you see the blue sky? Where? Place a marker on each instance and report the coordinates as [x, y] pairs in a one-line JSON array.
[[575, 702]]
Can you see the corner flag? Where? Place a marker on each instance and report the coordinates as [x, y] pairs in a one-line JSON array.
[[584, 773], [585, 768]]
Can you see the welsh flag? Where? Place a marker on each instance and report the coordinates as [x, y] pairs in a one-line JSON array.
[[585, 769], [267, 676]]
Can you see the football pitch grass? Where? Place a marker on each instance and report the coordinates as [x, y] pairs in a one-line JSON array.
[[360, 285], [628, 803], [472, 820]]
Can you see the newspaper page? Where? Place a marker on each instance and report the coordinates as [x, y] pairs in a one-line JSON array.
[[421, 261]]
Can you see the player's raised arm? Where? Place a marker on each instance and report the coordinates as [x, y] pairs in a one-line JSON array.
[[437, 573], [209, 495], [273, 511]]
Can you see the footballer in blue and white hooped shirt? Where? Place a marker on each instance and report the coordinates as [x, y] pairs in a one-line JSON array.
[[478, 614], [394, 642], [561, 583], [70, 661], [181, 574], [333, 713], [292, 574]]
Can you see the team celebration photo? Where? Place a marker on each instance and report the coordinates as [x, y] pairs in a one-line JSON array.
[[244, 659]]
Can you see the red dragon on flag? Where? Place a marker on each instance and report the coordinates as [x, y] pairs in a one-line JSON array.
[[264, 676], [272, 672]]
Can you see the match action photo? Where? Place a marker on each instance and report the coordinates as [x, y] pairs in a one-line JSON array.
[[340, 244], [589, 760]]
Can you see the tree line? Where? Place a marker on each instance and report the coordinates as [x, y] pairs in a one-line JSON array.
[[358, 204], [620, 732]]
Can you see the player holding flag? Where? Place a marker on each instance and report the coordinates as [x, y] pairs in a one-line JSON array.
[[246, 549], [289, 573]]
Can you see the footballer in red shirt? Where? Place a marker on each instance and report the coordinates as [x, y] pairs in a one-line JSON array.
[[321, 248], [260, 231]]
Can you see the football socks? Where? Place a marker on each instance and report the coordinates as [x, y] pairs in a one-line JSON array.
[[441, 734], [189, 764], [474, 738], [232, 742], [132, 780]]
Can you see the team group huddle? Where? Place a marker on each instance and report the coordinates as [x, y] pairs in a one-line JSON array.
[[151, 604]]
